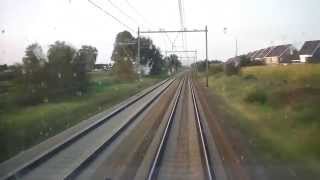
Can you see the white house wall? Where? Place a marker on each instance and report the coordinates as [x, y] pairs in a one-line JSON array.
[[303, 58]]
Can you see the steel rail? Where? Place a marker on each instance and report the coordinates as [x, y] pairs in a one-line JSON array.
[[160, 149], [75, 172], [209, 170], [40, 159]]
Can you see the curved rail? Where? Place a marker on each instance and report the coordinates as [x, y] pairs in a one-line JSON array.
[[37, 161]]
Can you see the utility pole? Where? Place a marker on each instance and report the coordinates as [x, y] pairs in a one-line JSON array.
[[236, 47], [185, 31], [196, 63], [138, 59], [207, 63]]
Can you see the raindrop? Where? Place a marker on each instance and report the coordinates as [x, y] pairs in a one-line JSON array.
[[3, 31], [59, 75]]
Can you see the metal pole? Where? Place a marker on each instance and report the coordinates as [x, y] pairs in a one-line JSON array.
[[236, 46], [196, 62], [138, 59], [207, 63]]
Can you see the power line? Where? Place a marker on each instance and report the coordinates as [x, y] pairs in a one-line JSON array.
[[138, 13], [122, 12], [147, 21], [107, 13], [143, 17]]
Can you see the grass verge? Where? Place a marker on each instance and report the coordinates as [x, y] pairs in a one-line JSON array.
[[278, 108], [22, 128]]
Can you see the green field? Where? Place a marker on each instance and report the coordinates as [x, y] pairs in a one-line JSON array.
[[22, 127], [278, 108]]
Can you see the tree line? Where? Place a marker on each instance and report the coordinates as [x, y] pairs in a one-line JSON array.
[[124, 55], [61, 71]]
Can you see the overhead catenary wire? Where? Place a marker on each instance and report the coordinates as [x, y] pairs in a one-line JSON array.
[[142, 17], [112, 16], [122, 12], [138, 13], [146, 20]]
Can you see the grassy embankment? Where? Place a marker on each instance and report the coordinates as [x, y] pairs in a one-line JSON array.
[[279, 108], [20, 128]]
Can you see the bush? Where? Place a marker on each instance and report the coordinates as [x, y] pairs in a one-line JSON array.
[[257, 96], [231, 68], [249, 77], [215, 68], [313, 60]]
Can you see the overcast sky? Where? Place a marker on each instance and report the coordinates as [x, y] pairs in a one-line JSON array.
[[255, 23]]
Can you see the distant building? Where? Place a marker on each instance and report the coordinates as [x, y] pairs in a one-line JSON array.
[[281, 54], [145, 70], [102, 67], [263, 54], [256, 54], [310, 51]]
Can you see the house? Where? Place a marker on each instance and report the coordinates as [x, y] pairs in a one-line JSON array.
[[310, 51], [256, 55], [281, 54], [263, 54]]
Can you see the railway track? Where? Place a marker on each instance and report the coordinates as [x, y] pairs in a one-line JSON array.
[[66, 159], [177, 156], [159, 133]]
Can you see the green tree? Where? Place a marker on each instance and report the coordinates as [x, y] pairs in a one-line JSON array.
[[123, 56], [60, 67], [151, 56], [173, 63], [82, 63], [87, 56], [32, 83], [245, 61]]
